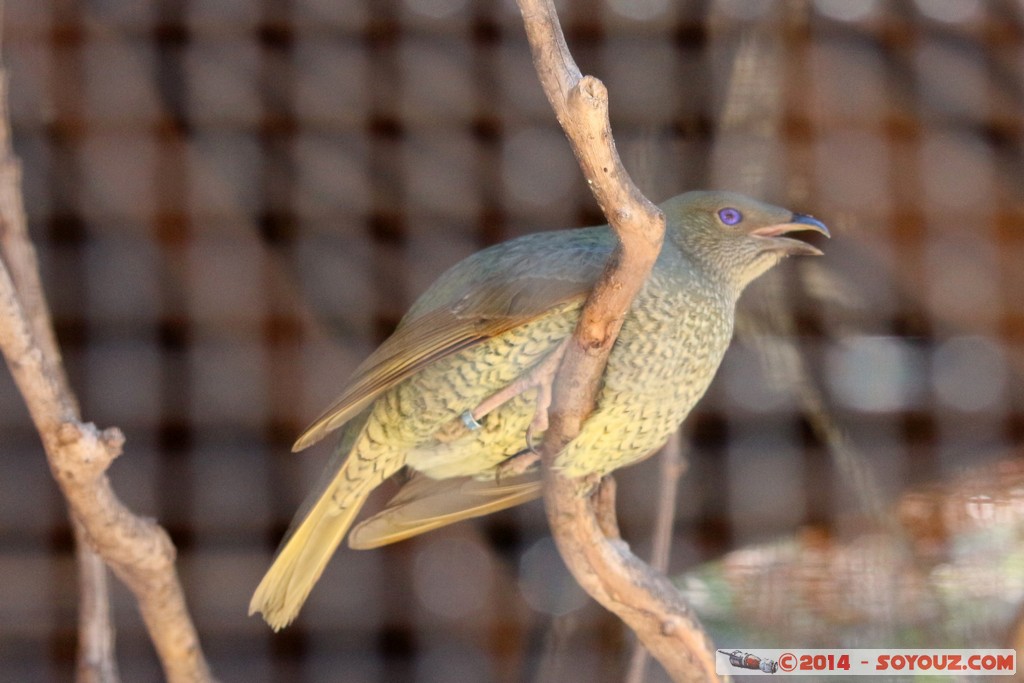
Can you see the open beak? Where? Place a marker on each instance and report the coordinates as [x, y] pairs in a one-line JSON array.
[[774, 240]]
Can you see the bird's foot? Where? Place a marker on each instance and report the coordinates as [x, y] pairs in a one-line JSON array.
[[516, 464], [541, 378]]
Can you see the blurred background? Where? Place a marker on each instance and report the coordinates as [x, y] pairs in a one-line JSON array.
[[235, 202]]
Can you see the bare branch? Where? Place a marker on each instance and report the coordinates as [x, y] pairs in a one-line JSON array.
[[643, 598], [138, 550], [672, 466], [95, 654]]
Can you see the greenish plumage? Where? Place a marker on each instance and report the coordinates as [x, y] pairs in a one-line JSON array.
[[488, 322]]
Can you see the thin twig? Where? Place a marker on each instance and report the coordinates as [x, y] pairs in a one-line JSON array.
[[556, 661], [96, 661], [672, 464], [643, 598]]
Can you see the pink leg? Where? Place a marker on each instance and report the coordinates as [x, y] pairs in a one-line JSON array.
[[541, 378]]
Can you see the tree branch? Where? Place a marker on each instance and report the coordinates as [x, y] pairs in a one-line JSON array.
[[138, 550], [643, 598], [96, 637]]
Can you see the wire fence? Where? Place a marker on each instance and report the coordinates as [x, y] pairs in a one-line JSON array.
[[235, 202]]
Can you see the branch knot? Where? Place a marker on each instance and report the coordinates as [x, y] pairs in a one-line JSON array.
[[590, 92], [85, 448]]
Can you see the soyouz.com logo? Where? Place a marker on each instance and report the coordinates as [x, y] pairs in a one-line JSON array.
[[761, 662]]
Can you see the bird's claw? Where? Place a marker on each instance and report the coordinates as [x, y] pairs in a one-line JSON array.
[[539, 424], [516, 465]]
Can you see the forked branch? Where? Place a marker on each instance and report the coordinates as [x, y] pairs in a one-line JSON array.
[[137, 549]]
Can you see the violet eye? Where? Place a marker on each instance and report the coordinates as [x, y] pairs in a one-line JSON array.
[[730, 216]]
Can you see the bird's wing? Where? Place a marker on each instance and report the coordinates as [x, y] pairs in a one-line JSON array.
[[425, 504], [489, 308]]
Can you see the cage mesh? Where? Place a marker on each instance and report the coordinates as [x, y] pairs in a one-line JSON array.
[[235, 202]]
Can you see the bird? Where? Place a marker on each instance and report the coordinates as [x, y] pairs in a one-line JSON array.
[[458, 394]]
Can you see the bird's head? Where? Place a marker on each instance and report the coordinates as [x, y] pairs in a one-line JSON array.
[[733, 237]]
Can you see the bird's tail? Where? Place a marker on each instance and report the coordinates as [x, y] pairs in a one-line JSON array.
[[310, 544], [424, 504]]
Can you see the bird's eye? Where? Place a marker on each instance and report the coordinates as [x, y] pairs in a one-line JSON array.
[[730, 216]]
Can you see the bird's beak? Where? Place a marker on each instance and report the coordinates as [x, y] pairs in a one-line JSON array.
[[772, 234]]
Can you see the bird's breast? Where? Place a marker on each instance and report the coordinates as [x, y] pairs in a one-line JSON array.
[[664, 359]]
